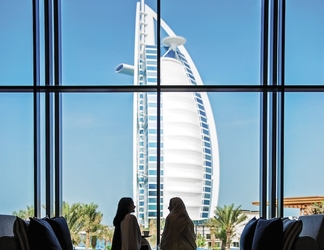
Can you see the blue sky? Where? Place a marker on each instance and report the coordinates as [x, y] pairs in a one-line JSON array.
[[223, 39]]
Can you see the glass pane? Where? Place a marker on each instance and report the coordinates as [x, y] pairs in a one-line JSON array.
[[222, 39], [93, 47], [16, 147], [304, 146], [97, 152], [210, 148], [100, 152], [16, 43], [44, 143], [237, 118], [96, 38], [304, 43]]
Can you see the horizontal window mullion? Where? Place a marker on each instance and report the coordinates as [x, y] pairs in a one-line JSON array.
[[164, 88]]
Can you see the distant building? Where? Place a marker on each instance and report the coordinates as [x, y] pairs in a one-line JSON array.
[[189, 145]]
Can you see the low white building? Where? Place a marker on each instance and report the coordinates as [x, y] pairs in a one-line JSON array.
[[210, 239]]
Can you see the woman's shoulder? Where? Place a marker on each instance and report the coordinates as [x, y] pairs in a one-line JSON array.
[[130, 217]]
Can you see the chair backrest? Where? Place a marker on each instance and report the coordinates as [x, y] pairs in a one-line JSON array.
[[313, 226], [6, 224]]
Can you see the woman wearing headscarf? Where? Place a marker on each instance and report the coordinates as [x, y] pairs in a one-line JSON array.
[[127, 234], [178, 233]]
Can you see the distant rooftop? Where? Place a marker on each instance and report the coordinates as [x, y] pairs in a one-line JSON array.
[[302, 202]]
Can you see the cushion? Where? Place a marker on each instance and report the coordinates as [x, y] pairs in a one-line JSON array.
[[9, 243], [305, 242], [291, 230], [247, 234], [313, 226], [20, 231], [41, 235], [268, 234], [7, 222], [61, 231]]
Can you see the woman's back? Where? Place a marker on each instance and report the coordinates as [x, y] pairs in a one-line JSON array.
[[130, 233], [178, 232]]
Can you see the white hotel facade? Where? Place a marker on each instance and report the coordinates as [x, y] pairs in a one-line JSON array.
[[189, 145]]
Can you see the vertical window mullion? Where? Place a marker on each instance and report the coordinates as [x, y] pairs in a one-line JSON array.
[[36, 107], [263, 109], [158, 108], [48, 108], [58, 109], [273, 108], [281, 102]]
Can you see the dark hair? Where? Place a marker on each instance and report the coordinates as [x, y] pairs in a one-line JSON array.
[[122, 210]]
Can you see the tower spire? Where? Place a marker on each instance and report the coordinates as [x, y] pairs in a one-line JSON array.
[[142, 5]]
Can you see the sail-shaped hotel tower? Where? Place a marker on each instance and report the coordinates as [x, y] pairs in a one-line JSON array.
[[189, 146]]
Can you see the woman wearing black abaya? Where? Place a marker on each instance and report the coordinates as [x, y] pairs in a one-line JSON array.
[[127, 234]]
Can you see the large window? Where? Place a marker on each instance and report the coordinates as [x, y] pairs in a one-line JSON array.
[[216, 102]]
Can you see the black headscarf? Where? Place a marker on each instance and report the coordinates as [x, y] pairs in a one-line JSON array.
[[122, 210]]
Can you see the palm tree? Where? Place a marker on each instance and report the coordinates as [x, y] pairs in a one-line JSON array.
[[106, 233], [93, 241], [221, 234], [316, 208], [25, 214], [200, 240], [74, 218], [226, 219], [217, 232], [92, 220]]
